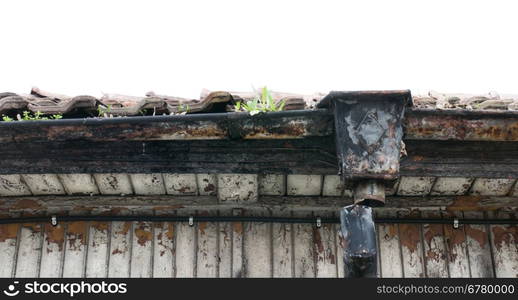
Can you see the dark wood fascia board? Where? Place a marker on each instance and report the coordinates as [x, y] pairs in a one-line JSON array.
[[311, 155], [439, 143]]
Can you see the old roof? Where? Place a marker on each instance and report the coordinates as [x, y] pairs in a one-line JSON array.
[[460, 153], [108, 105]]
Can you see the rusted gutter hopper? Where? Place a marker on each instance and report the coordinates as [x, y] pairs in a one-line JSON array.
[[368, 135], [368, 132]]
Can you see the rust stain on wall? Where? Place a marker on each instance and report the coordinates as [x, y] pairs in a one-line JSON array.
[[433, 231], [170, 231], [504, 235], [143, 233], [55, 235], [76, 235], [454, 238], [165, 233], [8, 231], [117, 251], [392, 231], [238, 227], [410, 236], [125, 229], [36, 228], [100, 226], [478, 235], [317, 240]]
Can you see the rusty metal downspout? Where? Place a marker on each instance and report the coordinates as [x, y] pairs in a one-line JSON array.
[[368, 132]]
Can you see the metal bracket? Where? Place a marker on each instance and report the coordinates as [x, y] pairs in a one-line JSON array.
[[54, 220], [191, 221], [456, 223], [319, 222]]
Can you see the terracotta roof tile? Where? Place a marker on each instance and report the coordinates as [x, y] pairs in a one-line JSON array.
[[211, 101]]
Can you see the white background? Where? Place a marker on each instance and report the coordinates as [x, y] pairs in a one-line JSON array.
[[178, 48]]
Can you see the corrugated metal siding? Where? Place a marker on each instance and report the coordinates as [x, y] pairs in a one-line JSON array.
[[168, 249]]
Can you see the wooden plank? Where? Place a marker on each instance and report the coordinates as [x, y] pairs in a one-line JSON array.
[[206, 184], [324, 243], [238, 263], [282, 243], [76, 184], [148, 184], [460, 159], [13, 185], [304, 250], [180, 184], [53, 251], [457, 246], [8, 236], [411, 247], [97, 256], [207, 256], [142, 250], [478, 247], [390, 250], [225, 237], [340, 246], [137, 204], [165, 248], [29, 251], [257, 246], [113, 184], [237, 188], [274, 156], [504, 242], [44, 184], [120, 249], [435, 255], [185, 248], [75, 249]]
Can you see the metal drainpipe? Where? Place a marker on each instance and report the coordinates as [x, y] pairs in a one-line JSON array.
[[369, 132]]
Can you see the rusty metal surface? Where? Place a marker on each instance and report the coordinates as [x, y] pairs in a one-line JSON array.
[[278, 125], [368, 129], [464, 125]]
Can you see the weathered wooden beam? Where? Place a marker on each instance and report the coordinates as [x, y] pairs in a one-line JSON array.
[[116, 205], [311, 155], [460, 158], [303, 156]]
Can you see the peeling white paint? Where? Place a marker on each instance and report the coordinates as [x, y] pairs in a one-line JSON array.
[[272, 185], [237, 187], [307, 185]]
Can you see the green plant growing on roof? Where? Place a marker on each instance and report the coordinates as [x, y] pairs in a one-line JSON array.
[[183, 109], [262, 103], [103, 110], [7, 118], [37, 116], [28, 116]]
